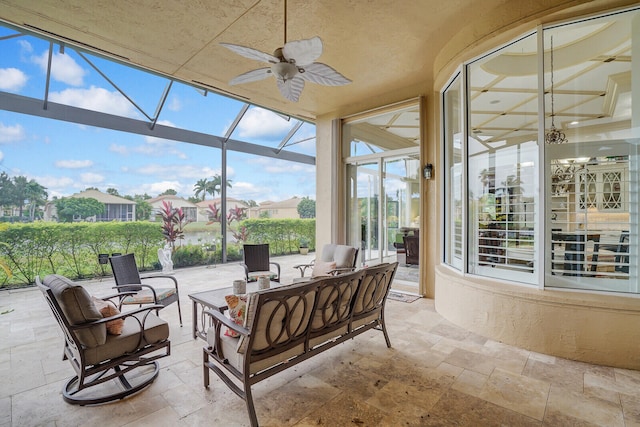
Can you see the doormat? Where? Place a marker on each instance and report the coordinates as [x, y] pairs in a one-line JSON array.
[[398, 296]]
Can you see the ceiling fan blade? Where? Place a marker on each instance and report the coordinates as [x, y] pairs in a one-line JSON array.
[[250, 53], [323, 74], [251, 76], [291, 88], [304, 52]]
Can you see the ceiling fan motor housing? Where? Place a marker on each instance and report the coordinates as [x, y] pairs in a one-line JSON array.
[[284, 70]]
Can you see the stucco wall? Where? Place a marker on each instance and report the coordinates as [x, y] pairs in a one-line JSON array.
[[589, 327]]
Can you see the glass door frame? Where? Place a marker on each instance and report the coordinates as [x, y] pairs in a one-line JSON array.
[[379, 159]]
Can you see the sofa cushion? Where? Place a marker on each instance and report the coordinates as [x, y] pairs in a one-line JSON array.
[[145, 296], [155, 330], [344, 256], [323, 268], [78, 308]]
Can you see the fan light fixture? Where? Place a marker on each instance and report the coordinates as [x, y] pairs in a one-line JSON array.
[[291, 65]]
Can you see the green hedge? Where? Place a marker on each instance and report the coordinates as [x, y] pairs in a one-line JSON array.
[[41, 248], [283, 235]]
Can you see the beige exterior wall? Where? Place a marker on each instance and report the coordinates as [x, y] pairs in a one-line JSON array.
[[591, 327]]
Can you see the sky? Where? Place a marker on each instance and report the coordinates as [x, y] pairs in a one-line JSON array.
[[67, 158]]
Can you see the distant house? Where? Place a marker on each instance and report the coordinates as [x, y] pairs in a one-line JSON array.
[[115, 208], [280, 210], [190, 209], [203, 206]]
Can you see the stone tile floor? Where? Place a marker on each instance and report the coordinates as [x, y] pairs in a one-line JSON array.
[[435, 374]]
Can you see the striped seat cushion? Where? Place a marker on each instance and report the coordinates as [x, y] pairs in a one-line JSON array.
[[146, 296]]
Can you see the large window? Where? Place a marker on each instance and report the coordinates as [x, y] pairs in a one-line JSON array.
[[502, 151], [548, 194], [452, 103]]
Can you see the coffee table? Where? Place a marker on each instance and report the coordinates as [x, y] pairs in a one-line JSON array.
[[214, 299]]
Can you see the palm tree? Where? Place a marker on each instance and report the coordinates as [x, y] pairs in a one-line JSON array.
[[200, 187], [215, 185], [37, 195], [19, 192]]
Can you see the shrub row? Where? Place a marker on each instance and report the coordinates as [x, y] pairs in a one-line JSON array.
[[283, 235], [41, 248]]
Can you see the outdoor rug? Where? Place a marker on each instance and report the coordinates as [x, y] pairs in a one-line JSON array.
[[399, 296]]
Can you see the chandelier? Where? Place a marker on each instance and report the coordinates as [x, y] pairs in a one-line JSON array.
[[553, 135]]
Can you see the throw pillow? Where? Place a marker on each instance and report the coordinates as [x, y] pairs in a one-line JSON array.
[[322, 268], [108, 309], [237, 305]]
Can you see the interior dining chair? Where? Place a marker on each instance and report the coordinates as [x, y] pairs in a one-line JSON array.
[[134, 292], [257, 263]]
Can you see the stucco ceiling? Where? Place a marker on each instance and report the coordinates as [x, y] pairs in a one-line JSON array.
[[383, 46]]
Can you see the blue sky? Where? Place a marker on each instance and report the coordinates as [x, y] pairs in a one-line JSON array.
[[67, 158]]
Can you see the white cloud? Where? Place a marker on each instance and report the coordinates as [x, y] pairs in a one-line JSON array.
[[161, 147], [260, 123], [1, 156], [153, 189], [25, 46], [11, 133], [120, 149], [12, 79], [179, 171], [275, 166], [91, 178], [55, 184], [74, 164], [96, 99], [63, 68], [174, 104]]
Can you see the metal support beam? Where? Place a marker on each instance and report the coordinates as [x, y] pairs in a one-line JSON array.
[[32, 106], [223, 179], [287, 138], [163, 99], [46, 88]]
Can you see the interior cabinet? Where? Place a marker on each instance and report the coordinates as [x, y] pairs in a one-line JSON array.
[[603, 187], [560, 211]]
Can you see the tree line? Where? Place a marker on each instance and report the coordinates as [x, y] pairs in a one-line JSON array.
[[28, 198]]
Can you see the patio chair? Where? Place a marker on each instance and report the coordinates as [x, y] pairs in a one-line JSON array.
[[108, 367], [256, 263], [133, 292], [412, 249], [335, 259], [621, 250]]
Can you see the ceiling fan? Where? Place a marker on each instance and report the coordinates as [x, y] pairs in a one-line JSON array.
[[291, 65]]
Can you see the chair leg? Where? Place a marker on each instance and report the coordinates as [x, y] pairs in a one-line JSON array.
[[72, 389], [205, 366], [179, 313], [248, 398]]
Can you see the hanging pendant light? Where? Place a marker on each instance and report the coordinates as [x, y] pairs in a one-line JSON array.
[[553, 135]]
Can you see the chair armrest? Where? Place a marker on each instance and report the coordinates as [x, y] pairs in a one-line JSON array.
[[303, 267], [126, 314], [161, 276], [341, 270], [277, 267], [246, 271], [220, 319]]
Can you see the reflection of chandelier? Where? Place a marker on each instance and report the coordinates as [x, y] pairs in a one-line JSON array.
[[553, 135]]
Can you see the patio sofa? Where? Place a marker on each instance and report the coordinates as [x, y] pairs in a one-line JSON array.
[[287, 325]]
